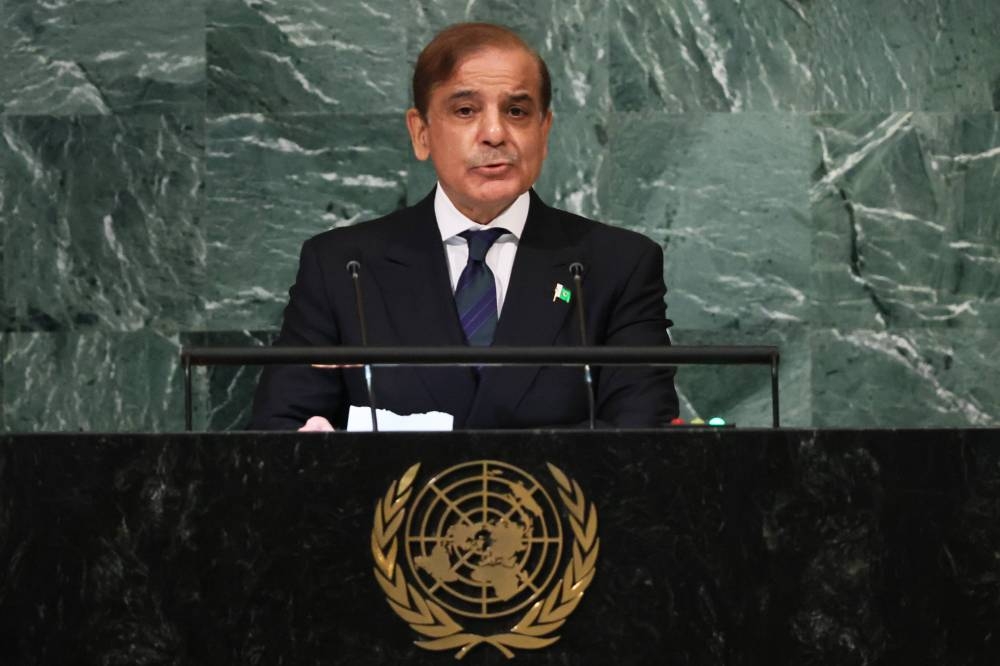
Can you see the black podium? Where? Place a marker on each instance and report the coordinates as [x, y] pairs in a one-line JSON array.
[[692, 547]]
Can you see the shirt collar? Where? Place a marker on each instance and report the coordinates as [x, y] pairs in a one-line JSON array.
[[451, 222]]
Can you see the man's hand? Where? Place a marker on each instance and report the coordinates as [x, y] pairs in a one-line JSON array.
[[316, 424]]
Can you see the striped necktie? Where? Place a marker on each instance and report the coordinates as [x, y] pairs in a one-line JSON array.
[[476, 293]]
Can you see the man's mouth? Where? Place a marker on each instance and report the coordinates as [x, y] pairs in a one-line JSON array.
[[493, 163], [493, 168]]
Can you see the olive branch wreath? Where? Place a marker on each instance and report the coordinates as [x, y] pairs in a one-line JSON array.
[[535, 628]]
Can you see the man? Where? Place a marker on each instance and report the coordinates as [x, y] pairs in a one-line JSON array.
[[476, 262]]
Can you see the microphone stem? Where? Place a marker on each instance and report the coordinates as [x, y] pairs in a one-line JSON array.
[[369, 379], [587, 376]]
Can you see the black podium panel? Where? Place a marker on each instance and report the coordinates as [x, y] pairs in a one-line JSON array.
[[716, 547]]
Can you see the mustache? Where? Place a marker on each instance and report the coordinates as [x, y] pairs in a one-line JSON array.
[[493, 157]]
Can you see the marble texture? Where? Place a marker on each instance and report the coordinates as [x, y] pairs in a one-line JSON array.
[[3, 395], [102, 222], [906, 212], [6, 311], [94, 57], [725, 195], [222, 395], [274, 181], [92, 382], [905, 376], [710, 55], [928, 55], [571, 35], [581, 139], [795, 55], [306, 56], [742, 394], [822, 175]]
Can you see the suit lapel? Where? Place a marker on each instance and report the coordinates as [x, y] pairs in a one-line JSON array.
[[412, 274], [530, 316]]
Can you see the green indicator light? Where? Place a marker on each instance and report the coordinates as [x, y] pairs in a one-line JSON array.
[[716, 421]]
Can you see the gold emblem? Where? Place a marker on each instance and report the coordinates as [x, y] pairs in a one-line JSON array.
[[483, 544]]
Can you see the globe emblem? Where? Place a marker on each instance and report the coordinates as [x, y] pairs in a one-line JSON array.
[[483, 539]]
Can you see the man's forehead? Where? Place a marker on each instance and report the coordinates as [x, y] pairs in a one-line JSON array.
[[459, 91], [514, 68]]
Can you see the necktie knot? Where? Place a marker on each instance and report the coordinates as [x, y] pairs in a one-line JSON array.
[[480, 242]]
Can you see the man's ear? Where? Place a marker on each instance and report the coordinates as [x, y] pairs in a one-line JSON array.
[[418, 134]]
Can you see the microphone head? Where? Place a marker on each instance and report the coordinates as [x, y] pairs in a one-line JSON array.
[[576, 268], [354, 267]]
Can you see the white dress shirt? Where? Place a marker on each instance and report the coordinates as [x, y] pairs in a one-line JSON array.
[[499, 258]]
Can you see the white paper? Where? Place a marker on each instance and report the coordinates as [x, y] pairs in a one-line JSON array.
[[359, 419]]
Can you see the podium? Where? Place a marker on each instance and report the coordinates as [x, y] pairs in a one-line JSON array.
[[710, 546]]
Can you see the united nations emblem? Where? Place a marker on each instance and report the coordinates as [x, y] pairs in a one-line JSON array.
[[481, 544]]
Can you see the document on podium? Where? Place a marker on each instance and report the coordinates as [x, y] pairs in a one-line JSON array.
[[359, 419]]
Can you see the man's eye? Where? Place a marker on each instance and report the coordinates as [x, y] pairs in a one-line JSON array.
[[464, 111], [517, 112]]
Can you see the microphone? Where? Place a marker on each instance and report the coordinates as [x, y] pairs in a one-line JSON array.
[[576, 269], [354, 268]]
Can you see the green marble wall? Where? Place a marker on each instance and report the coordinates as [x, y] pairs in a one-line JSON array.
[[824, 176]]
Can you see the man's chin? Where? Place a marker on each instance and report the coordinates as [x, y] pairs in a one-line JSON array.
[[500, 190], [486, 203]]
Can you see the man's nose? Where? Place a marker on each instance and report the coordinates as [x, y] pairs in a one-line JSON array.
[[492, 130]]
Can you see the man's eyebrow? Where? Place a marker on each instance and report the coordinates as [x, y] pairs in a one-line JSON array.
[[464, 93], [521, 97]]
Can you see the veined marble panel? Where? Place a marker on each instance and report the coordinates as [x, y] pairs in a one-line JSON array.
[[304, 57], [3, 393], [906, 211], [102, 221], [275, 182], [100, 57], [939, 377], [571, 35], [710, 55], [578, 152], [922, 55], [307, 56], [796, 55], [223, 395], [726, 195], [6, 311], [742, 394], [92, 381]]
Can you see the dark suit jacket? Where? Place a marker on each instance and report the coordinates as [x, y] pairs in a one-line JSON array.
[[408, 301]]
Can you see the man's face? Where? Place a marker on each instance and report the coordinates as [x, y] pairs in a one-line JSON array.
[[485, 131]]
